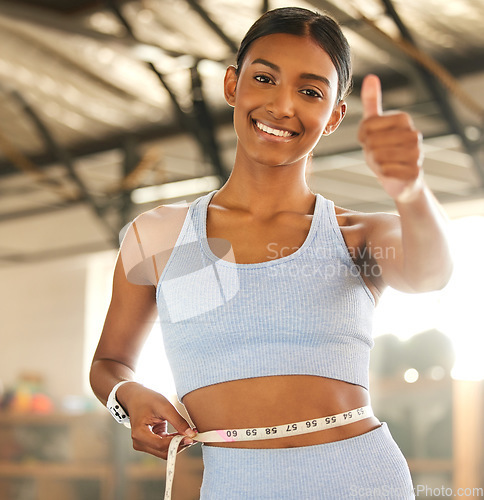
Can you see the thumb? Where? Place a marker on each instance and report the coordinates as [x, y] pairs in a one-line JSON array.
[[371, 96]]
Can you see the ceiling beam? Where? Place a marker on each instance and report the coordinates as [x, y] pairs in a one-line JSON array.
[[439, 93], [69, 64], [40, 211], [57, 253], [70, 7], [206, 126], [358, 26], [115, 141], [54, 21], [63, 158], [195, 5], [72, 25], [418, 72]]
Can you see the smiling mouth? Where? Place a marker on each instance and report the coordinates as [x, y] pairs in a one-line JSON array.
[[273, 131]]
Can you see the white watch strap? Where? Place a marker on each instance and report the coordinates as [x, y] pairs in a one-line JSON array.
[[115, 408]]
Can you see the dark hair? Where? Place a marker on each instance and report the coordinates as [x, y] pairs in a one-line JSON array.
[[322, 28]]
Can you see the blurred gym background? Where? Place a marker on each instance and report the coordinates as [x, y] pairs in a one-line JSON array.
[[111, 108]]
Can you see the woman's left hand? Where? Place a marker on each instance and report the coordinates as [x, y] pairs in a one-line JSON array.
[[392, 145]]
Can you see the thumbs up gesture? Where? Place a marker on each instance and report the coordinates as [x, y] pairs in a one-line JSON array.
[[392, 145]]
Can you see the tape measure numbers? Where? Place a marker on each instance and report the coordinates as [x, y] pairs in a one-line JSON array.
[[259, 433]]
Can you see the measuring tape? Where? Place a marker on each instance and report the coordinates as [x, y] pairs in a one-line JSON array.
[[258, 433]]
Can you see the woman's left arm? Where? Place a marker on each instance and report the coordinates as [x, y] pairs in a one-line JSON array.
[[411, 249]]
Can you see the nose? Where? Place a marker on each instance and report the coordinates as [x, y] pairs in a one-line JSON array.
[[281, 103]]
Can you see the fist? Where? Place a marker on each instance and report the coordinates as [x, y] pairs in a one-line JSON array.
[[392, 145]]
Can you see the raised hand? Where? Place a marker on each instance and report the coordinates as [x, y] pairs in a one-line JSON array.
[[392, 145]]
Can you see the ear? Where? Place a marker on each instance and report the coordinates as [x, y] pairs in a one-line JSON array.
[[230, 84], [337, 116]]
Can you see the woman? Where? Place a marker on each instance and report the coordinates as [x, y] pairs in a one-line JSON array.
[[275, 327]]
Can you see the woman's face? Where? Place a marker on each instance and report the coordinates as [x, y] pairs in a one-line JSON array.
[[284, 99]]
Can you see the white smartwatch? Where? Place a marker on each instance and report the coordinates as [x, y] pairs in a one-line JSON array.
[[115, 408]]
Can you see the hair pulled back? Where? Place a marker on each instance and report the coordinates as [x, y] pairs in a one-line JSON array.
[[322, 28]]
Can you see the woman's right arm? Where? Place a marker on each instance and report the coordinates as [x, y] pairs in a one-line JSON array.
[[129, 320]]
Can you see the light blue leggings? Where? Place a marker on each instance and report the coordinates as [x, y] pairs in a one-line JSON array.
[[367, 466]]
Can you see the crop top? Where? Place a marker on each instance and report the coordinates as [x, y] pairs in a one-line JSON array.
[[307, 313]]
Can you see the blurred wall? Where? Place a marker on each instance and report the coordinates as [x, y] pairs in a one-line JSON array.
[[42, 323]]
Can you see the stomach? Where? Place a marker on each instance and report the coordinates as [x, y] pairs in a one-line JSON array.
[[276, 400]]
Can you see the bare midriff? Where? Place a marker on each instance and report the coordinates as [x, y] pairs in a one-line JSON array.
[[277, 400]]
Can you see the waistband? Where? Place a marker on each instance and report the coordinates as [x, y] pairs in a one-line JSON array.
[[259, 433]]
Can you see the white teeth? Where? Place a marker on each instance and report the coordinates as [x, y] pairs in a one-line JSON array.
[[273, 131]]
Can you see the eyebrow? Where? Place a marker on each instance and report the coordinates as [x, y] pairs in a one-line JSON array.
[[306, 76]]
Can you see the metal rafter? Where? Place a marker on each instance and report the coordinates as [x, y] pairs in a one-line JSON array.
[[193, 124], [62, 156], [206, 126], [34, 212], [52, 20], [195, 5], [131, 160], [406, 68], [417, 72], [70, 26], [149, 133], [69, 63], [199, 123], [439, 93]]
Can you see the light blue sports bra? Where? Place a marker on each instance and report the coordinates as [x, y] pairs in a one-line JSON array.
[[307, 313]]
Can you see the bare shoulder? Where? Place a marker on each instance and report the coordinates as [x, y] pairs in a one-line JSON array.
[[149, 240], [164, 212], [155, 226], [372, 239], [368, 224]]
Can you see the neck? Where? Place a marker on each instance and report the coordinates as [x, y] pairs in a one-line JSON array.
[[265, 190]]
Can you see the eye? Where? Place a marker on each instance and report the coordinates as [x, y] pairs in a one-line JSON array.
[[262, 79], [312, 93]]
